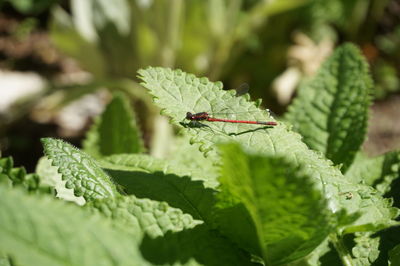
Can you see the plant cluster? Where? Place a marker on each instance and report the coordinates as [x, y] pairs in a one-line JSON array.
[[299, 193]]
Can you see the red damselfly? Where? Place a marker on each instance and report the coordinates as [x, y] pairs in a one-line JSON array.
[[204, 116]]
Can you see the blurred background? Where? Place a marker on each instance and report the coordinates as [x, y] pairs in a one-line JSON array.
[[60, 60]]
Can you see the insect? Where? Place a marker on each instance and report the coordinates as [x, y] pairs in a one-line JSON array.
[[204, 116]]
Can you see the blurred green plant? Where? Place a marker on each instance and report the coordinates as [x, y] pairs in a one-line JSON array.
[[30, 7], [115, 38]]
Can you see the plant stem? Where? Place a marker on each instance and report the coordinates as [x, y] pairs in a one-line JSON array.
[[344, 254]]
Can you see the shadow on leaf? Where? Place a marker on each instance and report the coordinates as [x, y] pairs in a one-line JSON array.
[[180, 192], [205, 246]]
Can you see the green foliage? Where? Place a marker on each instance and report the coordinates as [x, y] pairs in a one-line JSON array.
[[331, 110], [115, 131], [394, 255], [144, 215], [17, 177], [146, 177], [260, 197], [288, 211], [176, 93], [49, 175], [30, 6], [79, 170], [379, 171], [366, 248], [39, 231], [116, 38]]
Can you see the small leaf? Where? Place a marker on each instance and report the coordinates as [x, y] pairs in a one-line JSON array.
[[38, 231], [49, 175], [17, 177], [115, 131], [79, 170], [379, 171], [288, 211], [331, 111], [365, 170]]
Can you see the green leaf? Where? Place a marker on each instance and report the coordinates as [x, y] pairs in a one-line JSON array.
[[49, 175], [146, 163], [331, 110], [115, 131], [378, 171], [144, 215], [394, 255], [324, 254], [174, 236], [177, 93], [365, 170], [146, 177], [198, 244], [289, 213], [79, 170], [187, 156], [38, 231]]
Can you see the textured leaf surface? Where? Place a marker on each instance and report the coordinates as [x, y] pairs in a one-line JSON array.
[[378, 171], [152, 217], [198, 244], [177, 92], [171, 235], [150, 164], [115, 131], [81, 172], [331, 111], [290, 215], [49, 175], [39, 231], [366, 249], [146, 177]]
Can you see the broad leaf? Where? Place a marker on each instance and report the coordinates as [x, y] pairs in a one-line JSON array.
[[115, 131], [81, 172], [331, 110], [177, 93], [288, 211], [37, 231]]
